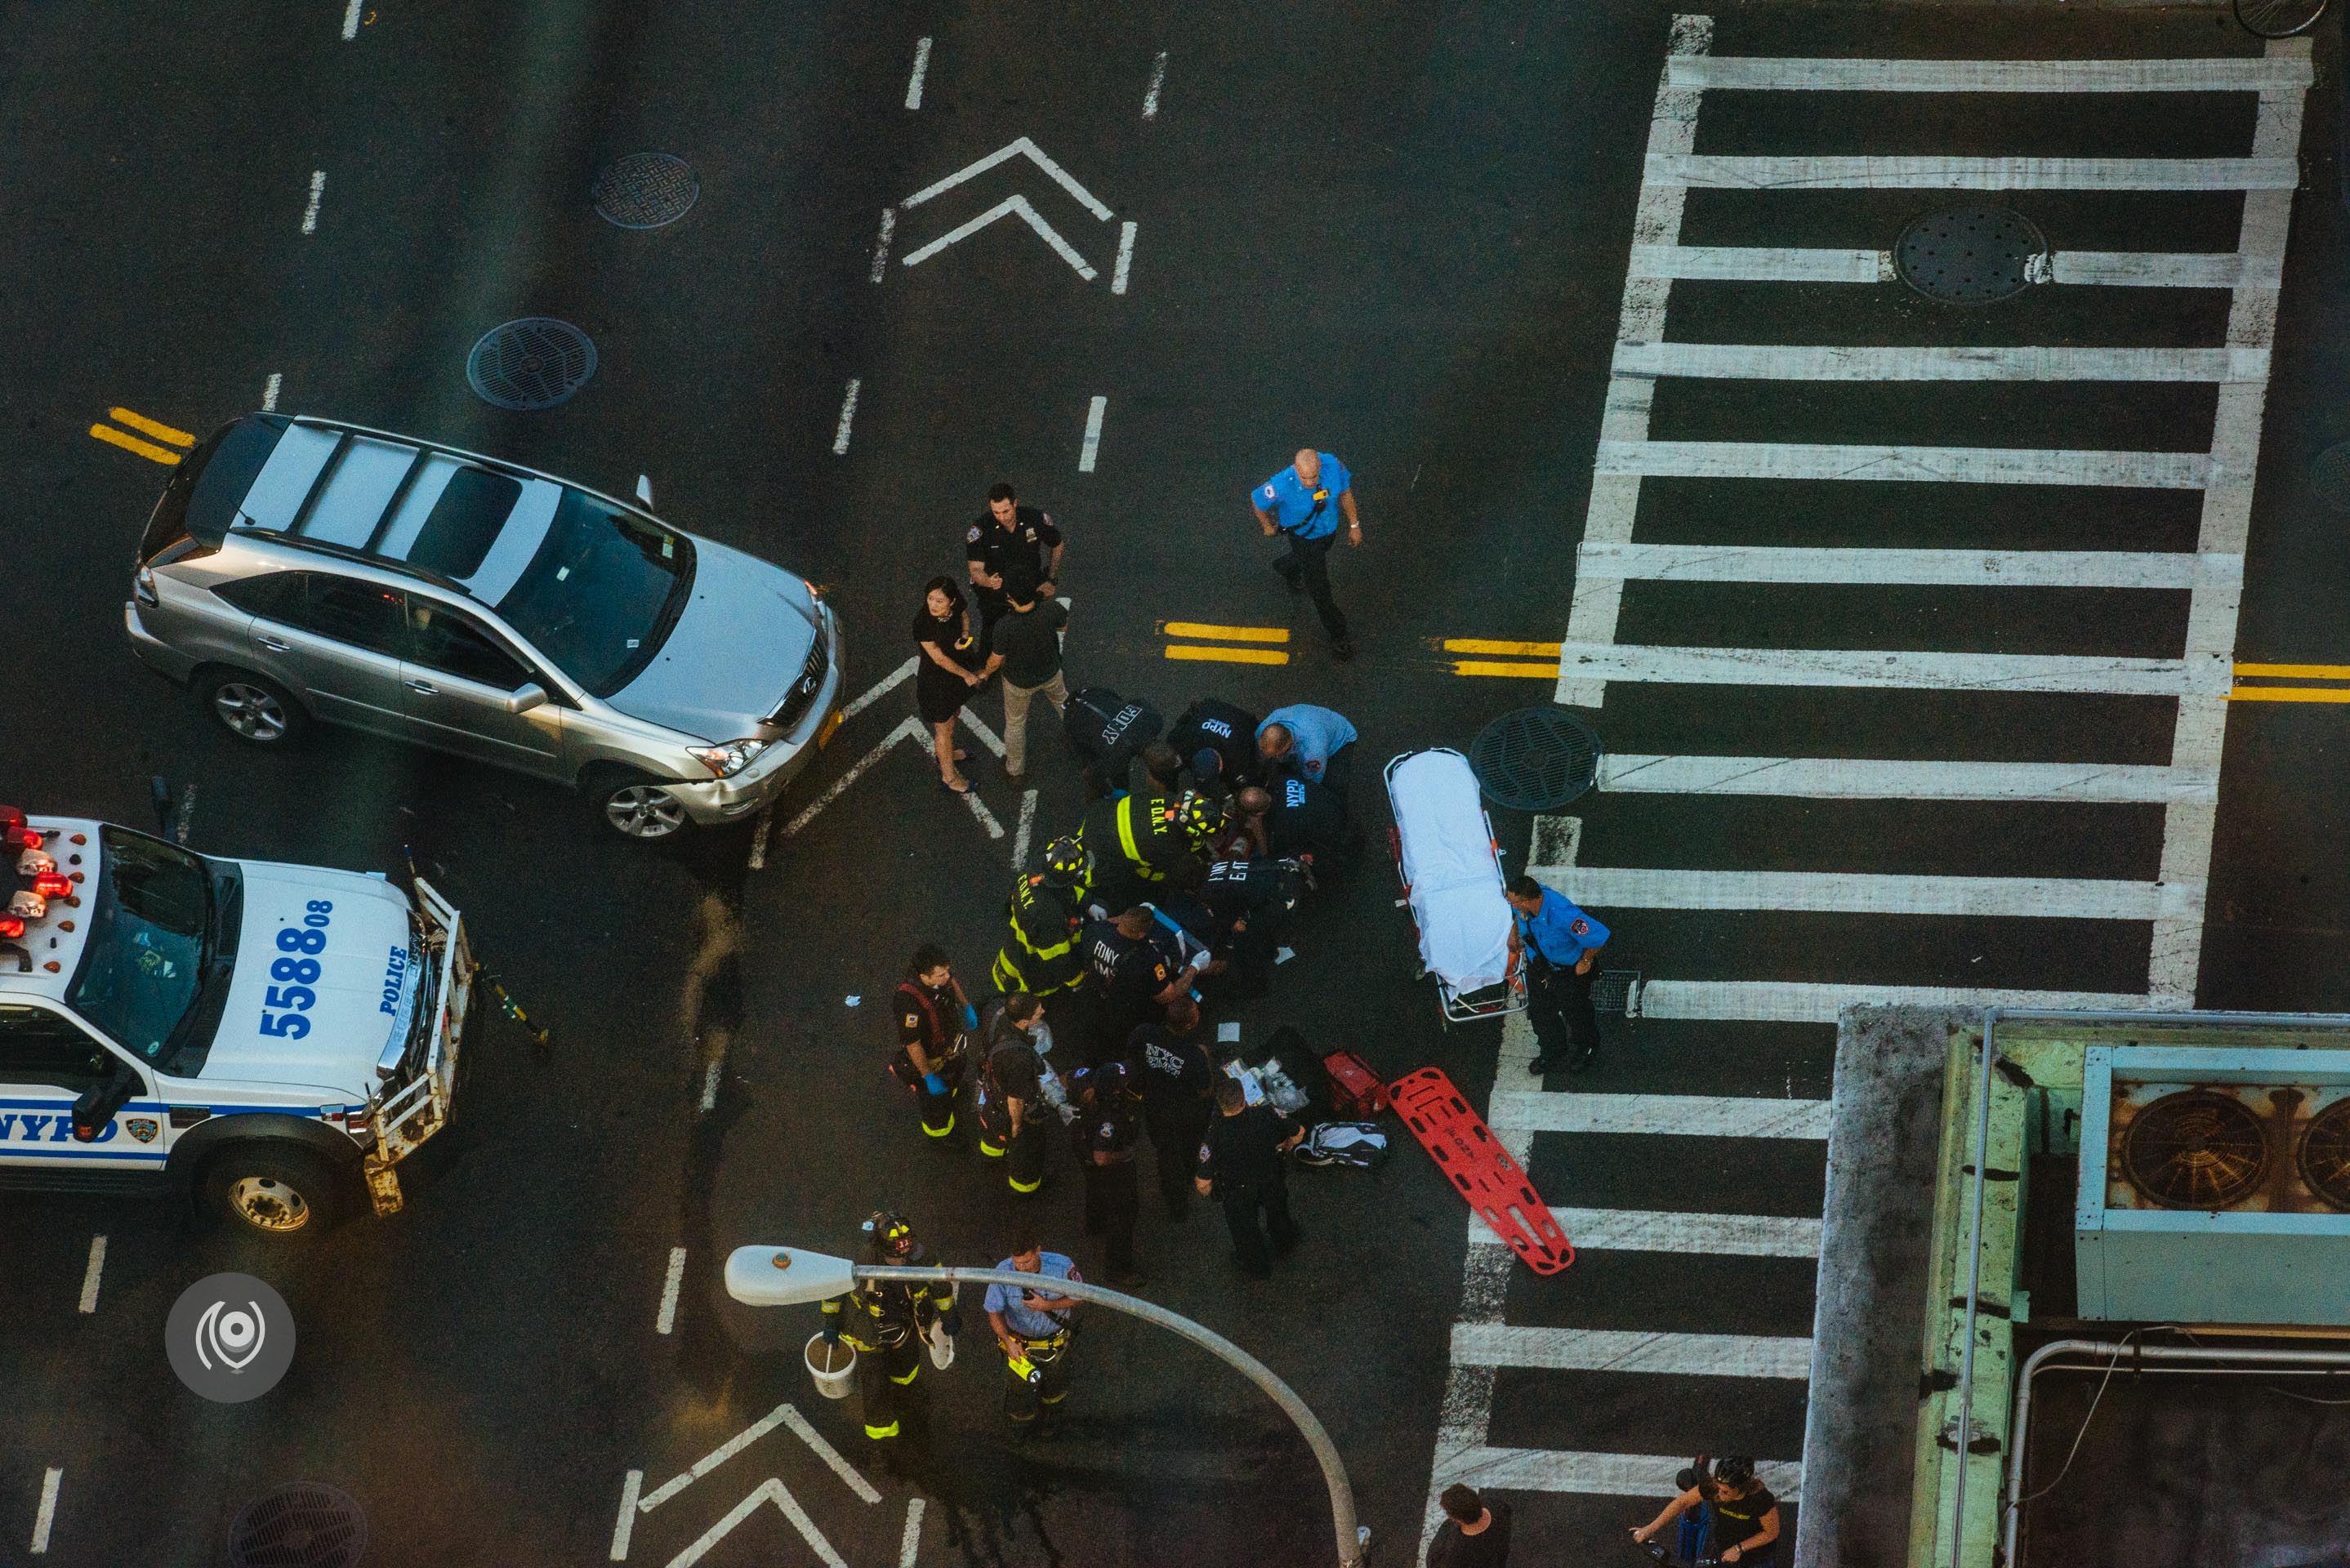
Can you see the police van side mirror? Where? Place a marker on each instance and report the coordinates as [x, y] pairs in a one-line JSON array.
[[96, 1105]]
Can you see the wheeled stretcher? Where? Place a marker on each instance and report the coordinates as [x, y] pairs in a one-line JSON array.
[[1451, 868]]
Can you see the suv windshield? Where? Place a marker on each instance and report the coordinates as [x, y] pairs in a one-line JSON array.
[[152, 953], [602, 592]]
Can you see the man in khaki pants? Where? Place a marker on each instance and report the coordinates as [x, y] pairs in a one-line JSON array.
[[1025, 645]]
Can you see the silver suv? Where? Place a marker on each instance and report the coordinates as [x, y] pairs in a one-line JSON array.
[[297, 568]]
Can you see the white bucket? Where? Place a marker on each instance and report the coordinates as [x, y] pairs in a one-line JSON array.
[[833, 1366]]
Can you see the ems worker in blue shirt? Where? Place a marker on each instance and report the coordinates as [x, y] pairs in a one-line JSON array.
[[1032, 1329], [1561, 944], [1303, 501], [1315, 743]]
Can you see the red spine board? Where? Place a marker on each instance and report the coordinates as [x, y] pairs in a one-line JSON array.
[[1466, 1150]]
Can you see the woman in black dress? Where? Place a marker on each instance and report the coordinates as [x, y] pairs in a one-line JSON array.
[[951, 661]]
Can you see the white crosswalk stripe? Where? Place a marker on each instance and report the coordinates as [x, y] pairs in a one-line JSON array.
[[2051, 770]]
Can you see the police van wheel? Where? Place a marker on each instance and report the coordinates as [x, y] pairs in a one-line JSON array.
[[635, 807], [282, 1193], [252, 708]]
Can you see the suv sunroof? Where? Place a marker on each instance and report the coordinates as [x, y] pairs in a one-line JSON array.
[[464, 522]]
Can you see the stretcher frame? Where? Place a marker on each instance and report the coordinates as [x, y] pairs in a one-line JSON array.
[[1456, 1007]]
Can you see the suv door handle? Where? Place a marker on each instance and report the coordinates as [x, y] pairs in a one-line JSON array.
[[424, 686], [274, 646]]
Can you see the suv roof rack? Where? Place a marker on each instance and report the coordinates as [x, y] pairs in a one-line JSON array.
[[496, 465]]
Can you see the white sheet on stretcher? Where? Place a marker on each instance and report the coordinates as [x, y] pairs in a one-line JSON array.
[[1456, 887]]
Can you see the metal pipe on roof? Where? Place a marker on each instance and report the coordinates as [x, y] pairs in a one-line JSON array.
[[2302, 1361], [1990, 1018]]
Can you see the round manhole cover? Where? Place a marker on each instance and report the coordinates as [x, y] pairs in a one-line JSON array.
[[534, 363], [1535, 759], [305, 1525], [1970, 255], [646, 189], [2329, 475]]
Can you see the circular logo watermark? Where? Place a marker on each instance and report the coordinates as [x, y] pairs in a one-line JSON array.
[[230, 1337]]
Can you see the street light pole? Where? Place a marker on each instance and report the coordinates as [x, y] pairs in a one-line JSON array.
[[764, 1276]]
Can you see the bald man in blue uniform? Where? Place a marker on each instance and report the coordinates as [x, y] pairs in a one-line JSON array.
[[1304, 502], [1561, 944]]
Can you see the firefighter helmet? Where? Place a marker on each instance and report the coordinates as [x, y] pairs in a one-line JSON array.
[[1064, 862], [892, 1239]]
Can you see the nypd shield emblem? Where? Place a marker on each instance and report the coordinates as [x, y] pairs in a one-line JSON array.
[[144, 1128]]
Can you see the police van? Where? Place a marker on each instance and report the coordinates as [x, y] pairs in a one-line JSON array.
[[274, 1038]]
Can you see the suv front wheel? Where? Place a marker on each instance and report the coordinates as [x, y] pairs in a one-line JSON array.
[[252, 708], [287, 1193], [634, 806]]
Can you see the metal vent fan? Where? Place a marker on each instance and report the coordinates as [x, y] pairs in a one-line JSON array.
[[2324, 1154], [2195, 1150]]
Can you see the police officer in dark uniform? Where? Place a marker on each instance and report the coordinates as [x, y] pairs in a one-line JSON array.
[[1008, 535], [884, 1321], [1241, 1168], [1179, 1090], [1136, 979], [1044, 913], [1108, 1129], [1012, 1117], [1301, 817], [1214, 725], [1249, 901]]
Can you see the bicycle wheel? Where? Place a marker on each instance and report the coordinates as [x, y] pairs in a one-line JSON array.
[[2278, 19]]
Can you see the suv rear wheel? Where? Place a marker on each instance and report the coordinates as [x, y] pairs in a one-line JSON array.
[[252, 708], [634, 806], [283, 1192]]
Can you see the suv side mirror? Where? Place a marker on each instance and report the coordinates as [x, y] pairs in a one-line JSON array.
[[524, 698], [96, 1105]]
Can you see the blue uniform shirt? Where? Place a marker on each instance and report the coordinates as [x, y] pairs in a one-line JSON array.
[[1026, 1321], [1560, 931], [1293, 503], [1313, 733]]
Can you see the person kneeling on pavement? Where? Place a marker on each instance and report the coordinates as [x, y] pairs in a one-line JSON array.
[[1012, 1122], [1032, 1329]]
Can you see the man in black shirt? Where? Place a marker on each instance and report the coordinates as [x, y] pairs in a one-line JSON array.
[[1241, 1168], [1010, 534], [1108, 1125], [1745, 1526], [1475, 1534], [1300, 817], [1025, 645], [1178, 1097], [1136, 978], [1012, 1117], [1212, 724]]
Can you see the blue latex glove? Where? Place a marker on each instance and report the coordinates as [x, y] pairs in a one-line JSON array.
[[934, 1083], [969, 1017]]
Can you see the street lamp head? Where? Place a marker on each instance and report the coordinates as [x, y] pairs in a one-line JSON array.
[[785, 1276]]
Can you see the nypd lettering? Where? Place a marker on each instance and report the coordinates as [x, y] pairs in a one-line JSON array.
[[31, 1127]]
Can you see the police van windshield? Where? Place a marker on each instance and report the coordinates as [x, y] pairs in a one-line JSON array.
[[151, 956]]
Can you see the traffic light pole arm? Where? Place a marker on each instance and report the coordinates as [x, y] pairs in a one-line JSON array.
[[1325, 1453]]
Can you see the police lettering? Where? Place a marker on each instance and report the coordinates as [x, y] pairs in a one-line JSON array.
[[1294, 793], [395, 974], [1217, 727]]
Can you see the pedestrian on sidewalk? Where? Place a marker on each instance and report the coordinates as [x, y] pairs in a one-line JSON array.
[[1024, 646], [1475, 1534], [1241, 1168], [1561, 945], [950, 664], [1006, 538], [1303, 501]]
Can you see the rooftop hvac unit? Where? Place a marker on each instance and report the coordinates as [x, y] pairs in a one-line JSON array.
[[2215, 1186]]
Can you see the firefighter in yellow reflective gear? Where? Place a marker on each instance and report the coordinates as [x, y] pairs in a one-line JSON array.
[[1046, 911], [1130, 842], [1032, 1329], [886, 1321]]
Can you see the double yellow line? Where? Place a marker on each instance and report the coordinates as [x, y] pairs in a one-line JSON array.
[[1506, 660], [146, 449], [1240, 634], [2333, 672]]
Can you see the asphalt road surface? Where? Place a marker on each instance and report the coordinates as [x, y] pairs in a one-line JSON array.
[[1402, 232]]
